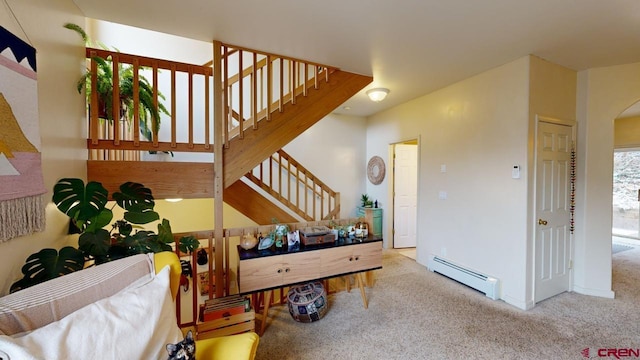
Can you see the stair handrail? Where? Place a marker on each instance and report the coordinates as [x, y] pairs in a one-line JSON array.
[[296, 187]]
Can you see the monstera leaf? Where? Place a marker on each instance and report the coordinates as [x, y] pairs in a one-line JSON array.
[[95, 244], [188, 244], [48, 264], [138, 202], [144, 242], [164, 232], [80, 203]]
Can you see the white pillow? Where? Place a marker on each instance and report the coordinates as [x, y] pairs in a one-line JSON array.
[[136, 323]]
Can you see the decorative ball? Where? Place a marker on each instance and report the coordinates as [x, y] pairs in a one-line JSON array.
[[307, 302]]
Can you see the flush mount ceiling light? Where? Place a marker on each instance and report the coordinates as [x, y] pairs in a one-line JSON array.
[[377, 94]]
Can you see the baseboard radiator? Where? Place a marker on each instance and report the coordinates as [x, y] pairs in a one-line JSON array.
[[483, 283]]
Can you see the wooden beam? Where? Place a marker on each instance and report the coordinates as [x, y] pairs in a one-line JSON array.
[[166, 179]]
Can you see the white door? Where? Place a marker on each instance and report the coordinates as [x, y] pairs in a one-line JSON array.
[[552, 229], [405, 188]]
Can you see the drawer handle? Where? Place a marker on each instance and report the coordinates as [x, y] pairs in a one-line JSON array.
[[357, 258], [286, 270], [351, 258], [279, 271]]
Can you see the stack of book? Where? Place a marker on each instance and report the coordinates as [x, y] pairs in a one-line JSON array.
[[225, 307]]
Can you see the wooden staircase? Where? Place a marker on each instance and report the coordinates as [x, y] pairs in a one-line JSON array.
[[266, 104]]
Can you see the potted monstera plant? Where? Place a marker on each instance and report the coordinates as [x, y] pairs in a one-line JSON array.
[[149, 113], [100, 239]]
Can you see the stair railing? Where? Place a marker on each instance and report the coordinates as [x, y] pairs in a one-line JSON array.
[[123, 75], [282, 177], [257, 83], [267, 83]]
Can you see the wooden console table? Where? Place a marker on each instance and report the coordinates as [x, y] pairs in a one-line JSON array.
[[265, 270]]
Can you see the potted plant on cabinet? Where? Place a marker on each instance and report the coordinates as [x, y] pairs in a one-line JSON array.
[[90, 216], [366, 201]]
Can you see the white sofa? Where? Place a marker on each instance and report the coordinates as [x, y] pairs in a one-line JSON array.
[[118, 310]]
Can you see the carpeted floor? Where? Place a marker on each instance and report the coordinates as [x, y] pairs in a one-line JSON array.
[[415, 314]]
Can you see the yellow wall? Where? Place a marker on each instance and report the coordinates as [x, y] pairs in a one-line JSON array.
[[60, 58], [627, 132]]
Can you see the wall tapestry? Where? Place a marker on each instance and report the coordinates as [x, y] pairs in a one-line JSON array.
[[21, 182]]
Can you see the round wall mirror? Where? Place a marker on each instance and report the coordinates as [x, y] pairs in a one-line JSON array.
[[375, 170]]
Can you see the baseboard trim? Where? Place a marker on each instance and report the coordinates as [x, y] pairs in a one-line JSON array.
[[522, 305], [609, 294]]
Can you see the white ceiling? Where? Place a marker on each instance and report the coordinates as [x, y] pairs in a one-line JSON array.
[[412, 47]]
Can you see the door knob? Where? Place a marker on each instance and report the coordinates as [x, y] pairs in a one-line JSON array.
[[542, 222]]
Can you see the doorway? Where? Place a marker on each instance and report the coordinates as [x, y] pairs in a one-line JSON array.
[[405, 194], [553, 238]]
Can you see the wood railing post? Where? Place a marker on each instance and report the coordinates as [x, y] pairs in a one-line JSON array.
[[218, 167]]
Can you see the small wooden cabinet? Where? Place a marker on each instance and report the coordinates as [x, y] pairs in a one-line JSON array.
[[278, 270], [373, 217], [257, 271], [349, 259]]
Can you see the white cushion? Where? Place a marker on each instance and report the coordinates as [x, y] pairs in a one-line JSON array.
[[42, 304], [136, 323]]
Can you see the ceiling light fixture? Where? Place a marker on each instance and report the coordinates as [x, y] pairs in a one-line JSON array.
[[377, 94]]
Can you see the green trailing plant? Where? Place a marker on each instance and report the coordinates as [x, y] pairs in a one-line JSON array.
[[101, 240], [149, 114]]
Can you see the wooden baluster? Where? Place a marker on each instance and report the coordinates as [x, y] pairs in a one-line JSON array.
[[281, 85], [254, 91], [173, 107], [304, 81], [136, 102], [298, 187], [207, 115], [241, 96], [115, 93], [314, 200], [155, 121], [269, 86], [190, 102], [226, 263], [225, 77], [280, 175], [271, 160], [93, 125], [294, 81]]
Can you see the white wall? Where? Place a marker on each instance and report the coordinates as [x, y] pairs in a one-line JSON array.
[[60, 57], [334, 150], [478, 128], [603, 93]]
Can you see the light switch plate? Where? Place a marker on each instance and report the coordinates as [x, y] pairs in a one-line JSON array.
[[515, 172]]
